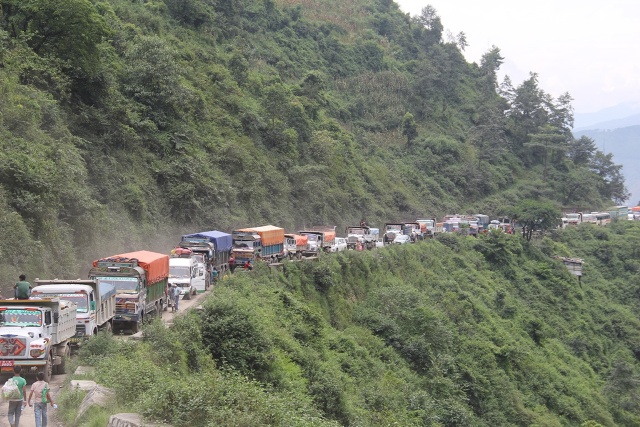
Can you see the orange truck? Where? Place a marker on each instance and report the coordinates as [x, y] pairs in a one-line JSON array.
[[140, 279], [265, 242], [319, 238], [295, 245]]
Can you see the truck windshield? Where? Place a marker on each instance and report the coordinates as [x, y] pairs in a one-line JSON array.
[[394, 227], [243, 244], [179, 272], [122, 284], [311, 237], [80, 299], [20, 317], [356, 231]]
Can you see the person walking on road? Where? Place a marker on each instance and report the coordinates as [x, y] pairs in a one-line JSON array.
[[16, 405], [41, 390], [22, 288], [232, 263], [175, 294]]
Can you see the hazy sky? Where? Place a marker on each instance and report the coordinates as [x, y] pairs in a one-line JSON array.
[[587, 48]]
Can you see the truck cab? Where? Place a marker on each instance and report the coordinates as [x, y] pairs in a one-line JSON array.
[[246, 245], [391, 230], [358, 235], [429, 227], [95, 303], [188, 274], [35, 334], [574, 218], [315, 242], [140, 280]]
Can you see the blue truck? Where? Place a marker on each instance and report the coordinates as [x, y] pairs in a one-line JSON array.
[[213, 248]]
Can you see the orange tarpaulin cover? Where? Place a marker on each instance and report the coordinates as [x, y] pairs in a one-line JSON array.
[[636, 208], [156, 265], [329, 236], [301, 240], [270, 235]]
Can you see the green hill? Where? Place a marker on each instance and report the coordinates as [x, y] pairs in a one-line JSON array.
[[126, 123], [455, 331]]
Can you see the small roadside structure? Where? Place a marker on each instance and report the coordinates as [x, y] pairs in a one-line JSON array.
[[574, 265]]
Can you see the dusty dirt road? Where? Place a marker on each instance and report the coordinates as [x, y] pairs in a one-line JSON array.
[[57, 381]]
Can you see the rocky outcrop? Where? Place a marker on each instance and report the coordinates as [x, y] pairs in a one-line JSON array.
[[98, 395], [130, 420]]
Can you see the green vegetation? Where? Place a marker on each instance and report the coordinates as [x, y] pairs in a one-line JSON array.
[[455, 331], [121, 120]]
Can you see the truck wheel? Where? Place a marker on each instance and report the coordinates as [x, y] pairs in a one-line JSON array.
[[159, 309], [135, 327], [187, 295], [62, 367], [48, 368]]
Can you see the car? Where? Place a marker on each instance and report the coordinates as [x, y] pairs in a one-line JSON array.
[[402, 239], [340, 244]]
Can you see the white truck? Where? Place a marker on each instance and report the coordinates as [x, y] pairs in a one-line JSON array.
[[188, 274], [35, 334], [96, 302], [362, 235]]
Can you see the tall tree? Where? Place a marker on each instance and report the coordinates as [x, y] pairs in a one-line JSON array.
[[581, 150], [612, 186], [548, 138], [534, 215], [432, 24]]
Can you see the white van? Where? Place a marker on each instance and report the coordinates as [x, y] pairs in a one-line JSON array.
[[188, 274]]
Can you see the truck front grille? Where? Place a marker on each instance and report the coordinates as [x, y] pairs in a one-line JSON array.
[[80, 330], [12, 347]]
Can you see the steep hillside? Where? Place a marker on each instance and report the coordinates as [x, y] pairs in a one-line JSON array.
[[124, 123], [455, 331]]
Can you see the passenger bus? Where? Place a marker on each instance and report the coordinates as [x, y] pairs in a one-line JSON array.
[[618, 212], [602, 218]]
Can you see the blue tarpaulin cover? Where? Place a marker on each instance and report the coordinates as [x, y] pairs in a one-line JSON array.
[[222, 242]]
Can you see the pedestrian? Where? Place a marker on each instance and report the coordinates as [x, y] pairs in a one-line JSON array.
[[41, 391], [214, 276], [175, 294], [16, 405], [22, 288], [232, 263], [248, 266]]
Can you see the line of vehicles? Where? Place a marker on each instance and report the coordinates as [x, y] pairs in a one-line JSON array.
[[125, 289], [602, 218]]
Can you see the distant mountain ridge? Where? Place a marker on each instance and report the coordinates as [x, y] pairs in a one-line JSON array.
[[613, 124], [621, 111], [624, 143]]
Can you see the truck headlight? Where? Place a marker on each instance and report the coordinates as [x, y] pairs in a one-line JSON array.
[[35, 352]]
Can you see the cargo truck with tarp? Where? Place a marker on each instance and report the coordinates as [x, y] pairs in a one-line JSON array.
[[96, 303], [295, 245], [430, 226], [213, 246], [413, 230], [265, 242], [320, 239], [140, 279], [35, 334]]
